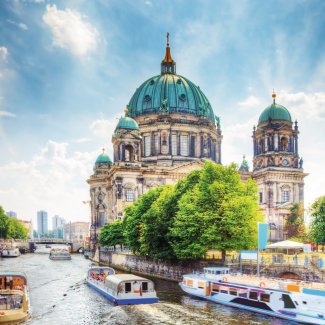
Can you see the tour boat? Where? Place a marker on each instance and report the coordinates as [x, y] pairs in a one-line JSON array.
[[290, 300], [59, 254], [10, 252], [121, 289], [14, 300]]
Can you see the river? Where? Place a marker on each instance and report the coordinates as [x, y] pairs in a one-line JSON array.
[[59, 296]]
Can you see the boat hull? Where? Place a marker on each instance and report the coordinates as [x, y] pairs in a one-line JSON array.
[[53, 258], [116, 301], [293, 317], [13, 317]]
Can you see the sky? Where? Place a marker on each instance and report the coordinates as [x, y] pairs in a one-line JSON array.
[[69, 68]]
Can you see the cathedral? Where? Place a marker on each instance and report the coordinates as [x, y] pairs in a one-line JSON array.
[[169, 129]]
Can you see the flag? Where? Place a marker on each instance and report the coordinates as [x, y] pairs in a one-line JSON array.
[[262, 235]]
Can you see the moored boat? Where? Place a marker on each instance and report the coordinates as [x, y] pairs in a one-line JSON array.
[[300, 302], [122, 289], [59, 254], [14, 299], [10, 252]]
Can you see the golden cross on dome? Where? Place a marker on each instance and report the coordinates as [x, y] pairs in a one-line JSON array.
[[167, 39], [273, 96], [103, 149]]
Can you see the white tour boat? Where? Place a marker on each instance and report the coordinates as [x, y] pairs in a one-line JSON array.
[[59, 254], [10, 252], [122, 289], [290, 300], [14, 300]]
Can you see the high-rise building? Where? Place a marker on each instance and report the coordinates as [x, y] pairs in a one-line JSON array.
[[12, 214], [42, 224], [57, 226]]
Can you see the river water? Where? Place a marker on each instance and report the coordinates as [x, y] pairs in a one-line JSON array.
[[59, 296]]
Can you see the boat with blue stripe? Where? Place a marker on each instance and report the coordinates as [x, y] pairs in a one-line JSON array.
[[289, 300], [121, 289]]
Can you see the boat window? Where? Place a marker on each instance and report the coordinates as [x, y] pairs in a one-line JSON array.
[[265, 297], [200, 285], [10, 302], [144, 286], [288, 303], [243, 294], [233, 292], [218, 272], [304, 302], [253, 295], [189, 283], [215, 288], [127, 287], [296, 303], [224, 291]]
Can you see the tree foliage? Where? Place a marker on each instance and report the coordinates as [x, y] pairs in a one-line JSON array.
[[112, 234], [294, 225], [220, 212], [11, 228], [317, 231], [209, 209]]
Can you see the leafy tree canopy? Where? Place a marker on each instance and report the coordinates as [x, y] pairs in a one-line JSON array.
[[317, 232], [11, 228], [112, 234], [294, 225], [220, 212]]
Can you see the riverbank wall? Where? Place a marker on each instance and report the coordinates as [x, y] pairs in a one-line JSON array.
[[140, 265]]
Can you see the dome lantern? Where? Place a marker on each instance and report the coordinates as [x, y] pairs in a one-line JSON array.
[[168, 65]]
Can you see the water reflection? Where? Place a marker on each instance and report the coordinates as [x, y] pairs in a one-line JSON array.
[[59, 295]]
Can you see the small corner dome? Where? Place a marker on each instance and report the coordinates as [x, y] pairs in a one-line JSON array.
[[275, 112], [127, 123], [103, 159]]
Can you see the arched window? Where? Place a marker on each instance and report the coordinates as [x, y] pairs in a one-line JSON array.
[[284, 144], [285, 196], [129, 156], [129, 195]]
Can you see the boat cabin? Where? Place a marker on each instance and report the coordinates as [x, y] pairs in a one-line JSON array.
[[12, 280], [99, 273], [216, 272], [128, 284]]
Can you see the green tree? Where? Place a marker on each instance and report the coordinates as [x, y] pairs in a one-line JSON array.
[[220, 212], [294, 225], [112, 234], [133, 218], [4, 224], [17, 230], [317, 230]]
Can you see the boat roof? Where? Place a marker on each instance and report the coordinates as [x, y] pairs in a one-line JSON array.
[[216, 268], [14, 274], [118, 278]]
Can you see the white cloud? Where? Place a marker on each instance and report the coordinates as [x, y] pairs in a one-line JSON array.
[[3, 53], [20, 25], [54, 180], [304, 105], [70, 30], [6, 114], [250, 102]]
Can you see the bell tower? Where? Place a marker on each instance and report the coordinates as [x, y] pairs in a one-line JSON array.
[[277, 167]]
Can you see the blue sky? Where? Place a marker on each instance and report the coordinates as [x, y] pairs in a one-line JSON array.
[[69, 68]]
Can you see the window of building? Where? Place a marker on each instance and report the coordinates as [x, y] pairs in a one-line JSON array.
[[174, 144], [129, 195], [184, 145], [156, 144], [147, 145], [261, 197], [285, 196]]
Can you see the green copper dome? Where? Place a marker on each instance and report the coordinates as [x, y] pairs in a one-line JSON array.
[[103, 159], [127, 123], [275, 112], [169, 93]]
